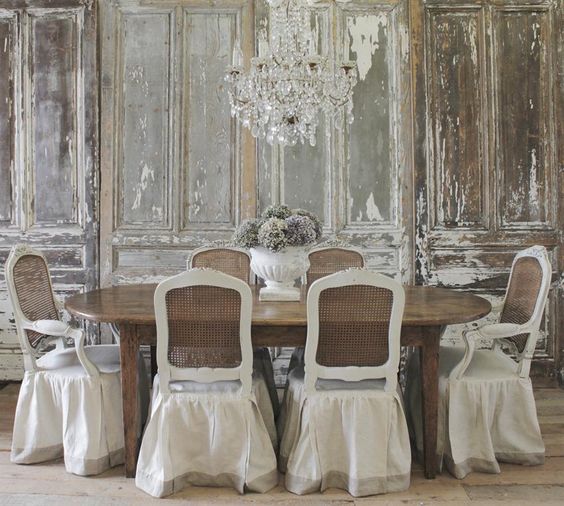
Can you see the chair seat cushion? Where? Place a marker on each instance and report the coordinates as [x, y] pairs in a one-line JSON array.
[[105, 356], [485, 364]]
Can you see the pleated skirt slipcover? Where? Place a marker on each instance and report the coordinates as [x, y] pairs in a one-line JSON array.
[[62, 412], [351, 436], [204, 434], [487, 416]]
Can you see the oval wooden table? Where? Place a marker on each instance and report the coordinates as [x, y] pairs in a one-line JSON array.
[[428, 310]]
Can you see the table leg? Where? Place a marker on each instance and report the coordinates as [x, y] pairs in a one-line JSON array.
[[129, 350], [430, 396], [154, 367]]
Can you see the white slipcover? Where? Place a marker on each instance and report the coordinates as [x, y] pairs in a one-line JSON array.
[[488, 415], [206, 434], [61, 411], [350, 435]]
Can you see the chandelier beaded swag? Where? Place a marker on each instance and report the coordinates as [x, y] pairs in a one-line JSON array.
[[289, 84]]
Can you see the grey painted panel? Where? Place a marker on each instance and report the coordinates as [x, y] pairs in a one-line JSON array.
[[305, 170], [54, 51], [370, 166], [211, 142], [146, 79], [8, 64]]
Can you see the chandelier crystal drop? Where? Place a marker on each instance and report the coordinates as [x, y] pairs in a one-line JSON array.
[[289, 84]]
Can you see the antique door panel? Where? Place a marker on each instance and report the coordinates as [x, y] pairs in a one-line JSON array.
[[48, 147], [173, 171], [356, 178], [485, 77]]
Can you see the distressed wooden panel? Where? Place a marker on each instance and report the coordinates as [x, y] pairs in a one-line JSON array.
[[305, 175], [454, 69], [524, 98], [152, 258], [48, 142], [9, 65], [145, 84], [370, 146], [53, 70], [301, 175], [210, 164]]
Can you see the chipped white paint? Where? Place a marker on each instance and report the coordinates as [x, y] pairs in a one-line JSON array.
[[372, 211], [147, 174], [364, 32], [534, 194]]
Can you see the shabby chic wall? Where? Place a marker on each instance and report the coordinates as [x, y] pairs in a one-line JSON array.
[[450, 167]]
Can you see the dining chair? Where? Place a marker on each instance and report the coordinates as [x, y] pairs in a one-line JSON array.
[[208, 425], [330, 259], [487, 410], [324, 261], [237, 263], [69, 404], [343, 423]]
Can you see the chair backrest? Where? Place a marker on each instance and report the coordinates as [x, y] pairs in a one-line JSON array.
[[31, 292], [526, 295], [328, 260], [233, 261], [204, 329], [354, 324]]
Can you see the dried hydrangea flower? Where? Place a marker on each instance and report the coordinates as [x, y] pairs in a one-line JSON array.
[[272, 234], [316, 222], [301, 231], [246, 234], [280, 211]]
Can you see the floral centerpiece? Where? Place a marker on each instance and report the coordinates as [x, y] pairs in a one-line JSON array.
[[277, 242]]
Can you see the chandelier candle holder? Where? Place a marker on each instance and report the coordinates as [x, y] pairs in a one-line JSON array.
[[289, 84], [278, 242]]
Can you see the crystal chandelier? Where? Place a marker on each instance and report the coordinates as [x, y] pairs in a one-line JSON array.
[[289, 84]]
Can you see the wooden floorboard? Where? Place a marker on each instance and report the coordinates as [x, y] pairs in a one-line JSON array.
[[50, 485]]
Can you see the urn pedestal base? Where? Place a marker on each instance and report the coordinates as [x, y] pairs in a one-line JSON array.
[[279, 293], [280, 270]]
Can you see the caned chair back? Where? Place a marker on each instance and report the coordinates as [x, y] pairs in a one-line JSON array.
[[329, 260], [526, 295], [233, 261], [31, 293], [204, 329], [354, 326]]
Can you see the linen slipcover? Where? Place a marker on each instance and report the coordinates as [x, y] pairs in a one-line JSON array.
[[208, 435], [350, 435], [62, 412], [488, 416]]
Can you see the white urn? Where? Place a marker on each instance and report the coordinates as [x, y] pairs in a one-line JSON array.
[[279, 271]]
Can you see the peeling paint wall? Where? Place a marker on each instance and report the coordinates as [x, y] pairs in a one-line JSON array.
[[487, 183], [450, 167], [48, 148]]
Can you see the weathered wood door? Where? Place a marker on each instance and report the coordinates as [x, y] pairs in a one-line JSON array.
[[48, 146], [487, 181], [176, 169], [358, 180]]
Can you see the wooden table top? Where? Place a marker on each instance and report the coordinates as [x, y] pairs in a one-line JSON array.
[[424, 306]]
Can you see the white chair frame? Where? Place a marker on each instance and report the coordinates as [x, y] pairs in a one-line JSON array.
[[325, 248], [203, 249], [389, 370], [168, 372], [56, 330], [500, 331]]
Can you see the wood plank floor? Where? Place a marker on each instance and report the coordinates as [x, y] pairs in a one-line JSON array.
[[50, 485]]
